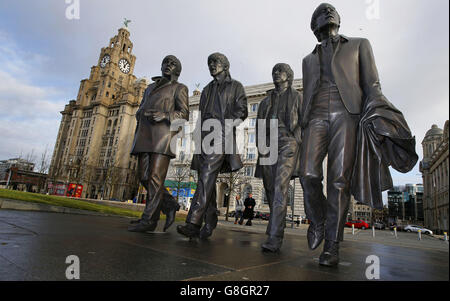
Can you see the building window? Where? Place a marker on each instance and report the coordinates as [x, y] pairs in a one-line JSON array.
[[251, 154], [249, 171], [251, 138], [265, 200]]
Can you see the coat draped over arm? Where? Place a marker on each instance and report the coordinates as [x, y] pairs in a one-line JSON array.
[[384, 139]]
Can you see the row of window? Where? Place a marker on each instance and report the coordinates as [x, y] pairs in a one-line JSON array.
[[86, 123], [113, 113], [87, 114]]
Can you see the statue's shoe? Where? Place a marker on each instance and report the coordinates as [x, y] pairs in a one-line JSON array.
[[206, 231], [315, 235], [272, 244], [189, 230], [330, 254], [143, 227]]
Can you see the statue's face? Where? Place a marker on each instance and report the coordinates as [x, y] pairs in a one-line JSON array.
[[169, 67], [215, 67], [279, 76], [327, 16]]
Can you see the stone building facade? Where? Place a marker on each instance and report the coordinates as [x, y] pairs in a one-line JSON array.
[[434, 168], [359, 211], [96, 131]]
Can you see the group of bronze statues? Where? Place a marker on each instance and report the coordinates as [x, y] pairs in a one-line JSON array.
[[342, 113]]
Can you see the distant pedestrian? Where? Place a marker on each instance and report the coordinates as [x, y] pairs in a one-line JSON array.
[[249, 204], [239, 209]]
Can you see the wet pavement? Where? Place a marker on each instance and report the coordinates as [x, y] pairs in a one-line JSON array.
[[35, 245]]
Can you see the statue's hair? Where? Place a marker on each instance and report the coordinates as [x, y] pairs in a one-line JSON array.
[[316, 14], [221, 58], [286, 68], [176, 60]]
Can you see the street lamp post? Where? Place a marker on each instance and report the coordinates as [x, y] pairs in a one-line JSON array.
[[227, 194]]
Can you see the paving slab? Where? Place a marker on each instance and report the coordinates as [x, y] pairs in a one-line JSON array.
[[35, 245]]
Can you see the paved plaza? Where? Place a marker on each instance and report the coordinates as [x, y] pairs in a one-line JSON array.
[[35, 245]]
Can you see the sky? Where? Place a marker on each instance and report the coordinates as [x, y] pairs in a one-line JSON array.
[[44, 55]]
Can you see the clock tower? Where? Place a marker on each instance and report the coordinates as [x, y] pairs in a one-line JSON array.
[[96, 132]]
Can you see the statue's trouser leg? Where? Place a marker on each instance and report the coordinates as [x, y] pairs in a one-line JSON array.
[[287, 159], [143, 174], [313, 152], [155, 167], [168, 201], [341, 158], [211, 217], [207, 178], [331, 130], [268, 172]]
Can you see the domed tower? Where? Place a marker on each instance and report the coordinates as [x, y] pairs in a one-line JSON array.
[[431, 141]]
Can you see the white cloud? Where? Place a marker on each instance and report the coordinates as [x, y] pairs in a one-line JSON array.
[[29, 113], [22, 101]]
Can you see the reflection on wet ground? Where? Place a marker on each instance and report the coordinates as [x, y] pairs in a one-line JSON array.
[[34, 246]]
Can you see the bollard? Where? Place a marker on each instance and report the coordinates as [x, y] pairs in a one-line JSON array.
[[420, 234], [353, 229], [373, 231], [395, 232]]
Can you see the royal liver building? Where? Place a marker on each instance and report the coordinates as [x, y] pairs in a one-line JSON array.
[[95, 136], [96, 131]]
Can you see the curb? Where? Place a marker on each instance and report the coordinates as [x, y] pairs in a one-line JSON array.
[[8, 204]]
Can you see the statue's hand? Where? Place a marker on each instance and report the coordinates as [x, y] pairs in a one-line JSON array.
[[159, 116], [155, 116]]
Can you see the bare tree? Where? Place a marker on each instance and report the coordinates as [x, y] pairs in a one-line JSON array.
[[234, 180], [30, 158], [87, 175], [44, 162], [111, 178]]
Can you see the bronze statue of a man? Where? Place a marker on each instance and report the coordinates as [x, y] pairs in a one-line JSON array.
[[338, 77], [283, 105], [345, 115], [164, 101], [222, 99]]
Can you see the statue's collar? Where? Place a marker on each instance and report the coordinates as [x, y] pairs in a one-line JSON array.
[[340, 37], [227, 79], [161, 80]]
